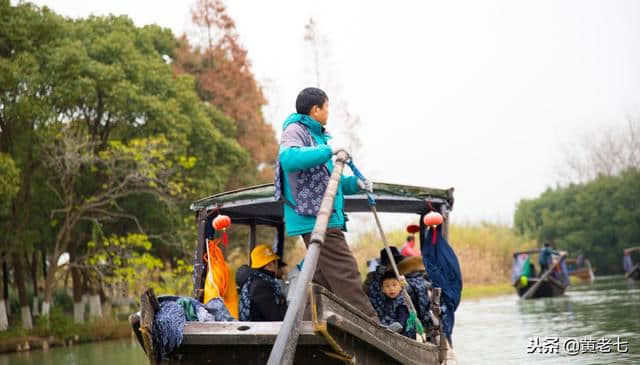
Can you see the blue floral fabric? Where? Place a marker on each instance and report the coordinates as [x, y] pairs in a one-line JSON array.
[[309, 184], [376, 297], [168, 326], [396, 310], [245, 295], [417, 289], [297, 156], [169, 320]]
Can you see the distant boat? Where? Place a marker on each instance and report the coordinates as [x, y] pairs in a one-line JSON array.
[[631, 271], [583, 272], [552, 283]]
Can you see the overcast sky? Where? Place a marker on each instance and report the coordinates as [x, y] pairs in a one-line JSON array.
[[478, 95]]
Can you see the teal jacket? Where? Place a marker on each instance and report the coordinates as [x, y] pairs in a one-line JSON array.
[[295, 156]]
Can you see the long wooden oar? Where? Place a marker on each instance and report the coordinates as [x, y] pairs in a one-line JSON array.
[[591, 276], [632, 271], [535, 286], [284, 349]]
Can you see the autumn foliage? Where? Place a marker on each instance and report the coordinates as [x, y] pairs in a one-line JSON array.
[[223, 78]]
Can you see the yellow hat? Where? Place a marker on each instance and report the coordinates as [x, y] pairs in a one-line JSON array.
[[261, 256]]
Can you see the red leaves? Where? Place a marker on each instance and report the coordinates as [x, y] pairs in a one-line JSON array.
[[224, 79]]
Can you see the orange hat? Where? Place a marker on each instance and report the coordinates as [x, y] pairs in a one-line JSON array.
[[261, 256]]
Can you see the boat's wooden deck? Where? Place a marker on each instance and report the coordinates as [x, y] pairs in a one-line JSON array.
[[243, 333], [339, 333]]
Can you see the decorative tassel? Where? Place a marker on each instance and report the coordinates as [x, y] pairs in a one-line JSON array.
[[435, 233], [225, 238]]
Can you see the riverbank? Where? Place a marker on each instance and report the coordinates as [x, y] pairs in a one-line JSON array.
[[62, 333], [480, 291]]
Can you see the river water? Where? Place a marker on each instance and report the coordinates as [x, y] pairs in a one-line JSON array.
[[577, 328], [504, 329]]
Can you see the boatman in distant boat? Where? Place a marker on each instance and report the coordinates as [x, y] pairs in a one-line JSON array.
[[302, 174], [544, 258]]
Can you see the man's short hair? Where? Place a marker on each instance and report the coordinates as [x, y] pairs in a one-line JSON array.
[[411, 238], [309, 97]]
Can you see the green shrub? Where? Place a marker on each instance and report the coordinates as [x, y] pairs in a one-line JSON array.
[[63, 301], [56, 324]]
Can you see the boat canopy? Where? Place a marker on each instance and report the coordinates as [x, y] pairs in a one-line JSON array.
[[258, 201]]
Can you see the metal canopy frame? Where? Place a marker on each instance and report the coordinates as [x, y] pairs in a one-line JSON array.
[[258, 202]]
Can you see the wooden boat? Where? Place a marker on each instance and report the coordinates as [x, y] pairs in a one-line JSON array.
[[584, 273], [633, 271], [335, 332], [549, 287], [544, 286]]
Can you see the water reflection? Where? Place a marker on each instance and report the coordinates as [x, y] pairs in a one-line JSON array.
[[124, 351]]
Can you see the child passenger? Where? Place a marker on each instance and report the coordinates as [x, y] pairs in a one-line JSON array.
[[396, 312]]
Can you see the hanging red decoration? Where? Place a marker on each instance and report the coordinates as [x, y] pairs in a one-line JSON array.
[[221, 223], [413, 228], [433, 220]]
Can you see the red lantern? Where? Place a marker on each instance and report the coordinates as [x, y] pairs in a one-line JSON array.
[[221, 223], [433, 220]]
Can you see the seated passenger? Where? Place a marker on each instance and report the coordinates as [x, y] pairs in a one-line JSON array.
[[261, 297], [242, 274], [371, 285], [395, 310], [412, 268], [409, 247]]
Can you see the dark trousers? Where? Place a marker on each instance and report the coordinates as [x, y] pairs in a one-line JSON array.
[[337, 271], [543, 268]]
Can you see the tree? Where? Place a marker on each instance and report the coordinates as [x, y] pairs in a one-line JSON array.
[[9, 180], [4, 318], [605, 152], [94, 88], [9, 183], [597, 218], [324, 73], [27, 37], [317, 45], [142, 166], [224, 79]]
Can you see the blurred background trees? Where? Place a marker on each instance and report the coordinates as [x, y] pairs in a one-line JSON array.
[[105, 132], [597, 212]]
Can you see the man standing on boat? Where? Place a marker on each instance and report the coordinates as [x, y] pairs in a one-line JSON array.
[[545, 257], [302, 175]]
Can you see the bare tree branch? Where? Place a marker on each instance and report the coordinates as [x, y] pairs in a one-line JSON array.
[[605, 152]]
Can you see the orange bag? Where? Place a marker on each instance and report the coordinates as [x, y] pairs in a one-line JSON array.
[[219, 282]]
